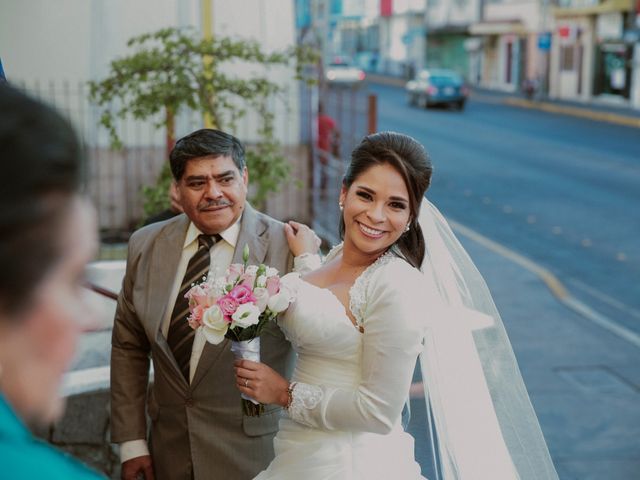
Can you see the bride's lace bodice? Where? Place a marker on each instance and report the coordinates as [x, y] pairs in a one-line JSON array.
[[352, 378]]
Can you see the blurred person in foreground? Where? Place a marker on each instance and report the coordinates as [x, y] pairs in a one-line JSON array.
[[47, 234]]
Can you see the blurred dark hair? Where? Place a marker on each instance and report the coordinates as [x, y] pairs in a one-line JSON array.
[[412, 162], [41, 159], [206, 142]]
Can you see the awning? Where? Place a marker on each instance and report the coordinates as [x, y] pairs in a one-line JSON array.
[[605, 6], [497, 28]]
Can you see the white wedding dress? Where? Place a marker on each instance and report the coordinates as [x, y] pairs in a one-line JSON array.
[[353, 381]]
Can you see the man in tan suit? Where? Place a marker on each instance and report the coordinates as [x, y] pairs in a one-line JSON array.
[[198, 430]]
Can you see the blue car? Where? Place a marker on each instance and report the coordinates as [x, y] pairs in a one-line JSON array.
[[437, 87]]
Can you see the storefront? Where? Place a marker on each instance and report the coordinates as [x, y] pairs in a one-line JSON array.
[[504, 54], [612, 75], [589, 56], [446, 49]]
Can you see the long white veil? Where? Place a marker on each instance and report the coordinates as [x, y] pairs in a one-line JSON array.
[[485, 424]]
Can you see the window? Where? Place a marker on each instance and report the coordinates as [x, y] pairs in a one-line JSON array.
[[567, 58]]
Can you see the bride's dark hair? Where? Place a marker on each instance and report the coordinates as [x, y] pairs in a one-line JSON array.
[[412, 162]]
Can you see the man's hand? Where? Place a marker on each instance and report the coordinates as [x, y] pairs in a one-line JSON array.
[[137, 468]]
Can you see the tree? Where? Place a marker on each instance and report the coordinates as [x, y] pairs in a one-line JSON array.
[[173, 69]]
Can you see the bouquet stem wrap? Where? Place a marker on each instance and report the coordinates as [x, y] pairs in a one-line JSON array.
[[248, 350]]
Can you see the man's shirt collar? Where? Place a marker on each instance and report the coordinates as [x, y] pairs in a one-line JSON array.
[[230, 235]]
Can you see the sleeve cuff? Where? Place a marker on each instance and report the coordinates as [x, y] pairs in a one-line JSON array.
[[133, 449], [307, 262]]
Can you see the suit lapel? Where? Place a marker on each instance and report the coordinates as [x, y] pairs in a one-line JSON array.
[[253, 232], [164, 262]]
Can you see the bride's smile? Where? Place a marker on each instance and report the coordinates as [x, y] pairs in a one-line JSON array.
[[376, 210]]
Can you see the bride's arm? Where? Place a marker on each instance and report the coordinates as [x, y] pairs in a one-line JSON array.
[[394, 329]]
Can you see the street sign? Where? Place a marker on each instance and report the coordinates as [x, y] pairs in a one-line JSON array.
[[544, 41]]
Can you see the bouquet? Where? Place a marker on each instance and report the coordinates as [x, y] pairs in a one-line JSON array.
[[237, 306]]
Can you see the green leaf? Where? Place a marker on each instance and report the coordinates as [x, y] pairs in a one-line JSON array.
[[166, 71]]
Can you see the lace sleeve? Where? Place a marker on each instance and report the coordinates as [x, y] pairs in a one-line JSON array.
[[305, 398], [307, 262], [392, 339]]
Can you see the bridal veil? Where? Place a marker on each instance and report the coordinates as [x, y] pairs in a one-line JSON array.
[[485, 424]]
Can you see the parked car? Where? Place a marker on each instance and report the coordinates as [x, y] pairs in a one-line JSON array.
[[342, 72], [437, 87]]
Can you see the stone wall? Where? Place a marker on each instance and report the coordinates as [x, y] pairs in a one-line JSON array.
[[84, 432]]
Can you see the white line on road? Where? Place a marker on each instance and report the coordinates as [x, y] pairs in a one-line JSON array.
[[553, 283], [605, 298]]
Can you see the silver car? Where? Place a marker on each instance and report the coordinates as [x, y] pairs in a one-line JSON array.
[[342, 72]]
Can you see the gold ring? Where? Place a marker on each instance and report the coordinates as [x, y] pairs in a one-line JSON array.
[[246, 383]]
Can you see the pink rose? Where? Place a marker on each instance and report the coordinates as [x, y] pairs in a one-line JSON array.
[[273, 285], [197, 295], [234, 271], [242, 294], [228, 305], [195, 319]]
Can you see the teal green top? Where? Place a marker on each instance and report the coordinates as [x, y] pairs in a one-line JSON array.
[[25, 457]]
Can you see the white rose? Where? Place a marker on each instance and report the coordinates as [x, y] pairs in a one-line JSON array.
[[246, 315], [262, 298], [213, 325], [251, 270], [271, 272], [261, 281]]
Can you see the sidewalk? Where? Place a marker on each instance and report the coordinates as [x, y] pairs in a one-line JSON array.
[[583, 381], [594, 110]]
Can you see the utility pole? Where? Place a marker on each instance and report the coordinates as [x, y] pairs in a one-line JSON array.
[[206, 15]]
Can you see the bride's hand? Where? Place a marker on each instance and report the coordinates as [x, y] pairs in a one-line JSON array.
[[261, 382], [301, 238]]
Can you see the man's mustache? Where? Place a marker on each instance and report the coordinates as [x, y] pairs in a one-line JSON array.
[[214, 204]]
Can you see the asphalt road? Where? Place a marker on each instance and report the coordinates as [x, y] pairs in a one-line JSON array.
[[562, 191]]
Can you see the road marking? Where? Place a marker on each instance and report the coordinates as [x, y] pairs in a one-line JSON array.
[[553, 283], [606, 298]]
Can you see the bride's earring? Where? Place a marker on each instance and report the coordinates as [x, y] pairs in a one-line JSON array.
[[407, 228], [341, 205]]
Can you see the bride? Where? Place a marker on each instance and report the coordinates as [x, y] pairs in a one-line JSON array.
[[399, 286]]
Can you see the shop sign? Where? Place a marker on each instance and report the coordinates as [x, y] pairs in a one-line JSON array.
[[544, 41], [609, 26], [567, 32]]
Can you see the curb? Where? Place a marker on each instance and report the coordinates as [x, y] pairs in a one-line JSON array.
[[556, 287], [574, 111]]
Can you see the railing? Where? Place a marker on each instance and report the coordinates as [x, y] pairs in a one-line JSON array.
[[354, 111], [114, 178]]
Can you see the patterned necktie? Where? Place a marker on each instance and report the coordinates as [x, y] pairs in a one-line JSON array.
[[180, 336]]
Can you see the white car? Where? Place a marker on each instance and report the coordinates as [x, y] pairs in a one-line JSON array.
[[344, 73]]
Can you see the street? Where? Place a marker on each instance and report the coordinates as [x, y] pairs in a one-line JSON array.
[[557, 189]]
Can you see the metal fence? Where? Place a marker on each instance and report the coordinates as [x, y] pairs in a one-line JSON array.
[[354, 111], [114, 178]]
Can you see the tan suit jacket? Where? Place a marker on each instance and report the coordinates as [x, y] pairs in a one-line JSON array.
[[197, 430]]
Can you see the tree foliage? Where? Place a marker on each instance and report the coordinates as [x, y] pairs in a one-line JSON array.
[[173, 69]]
